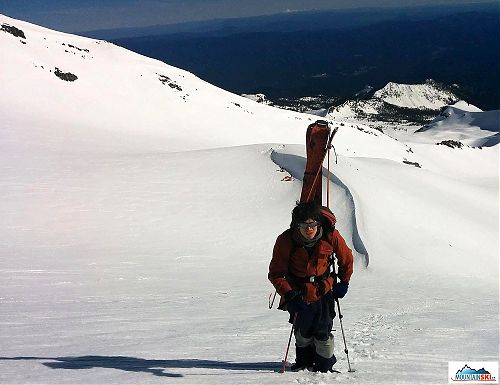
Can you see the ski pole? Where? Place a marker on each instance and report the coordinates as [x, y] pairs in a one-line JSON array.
[[328, 183], [343, 336], [328, 148], [283, 369], [271, 302]]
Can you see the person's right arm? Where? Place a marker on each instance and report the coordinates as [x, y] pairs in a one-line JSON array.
[[278, 268]]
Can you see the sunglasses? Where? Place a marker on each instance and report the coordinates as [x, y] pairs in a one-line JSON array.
[[304, 225]]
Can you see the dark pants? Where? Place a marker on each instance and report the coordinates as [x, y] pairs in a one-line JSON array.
[[313, 326]]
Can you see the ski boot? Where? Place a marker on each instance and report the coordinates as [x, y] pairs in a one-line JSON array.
[[324, 365], [304, 358]]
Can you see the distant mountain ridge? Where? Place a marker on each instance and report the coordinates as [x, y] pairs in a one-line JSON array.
[[398, 102], [417, 103], [428, 95], [307, 20], [433, 106]]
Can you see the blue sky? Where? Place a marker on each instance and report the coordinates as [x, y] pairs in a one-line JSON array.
[[86, 15]]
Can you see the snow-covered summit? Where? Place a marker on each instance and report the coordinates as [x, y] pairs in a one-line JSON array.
[[397, 102], [428, 95]]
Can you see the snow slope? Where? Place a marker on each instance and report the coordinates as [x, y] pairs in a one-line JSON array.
[[353, 109], [464, 106], [121, 100], [465, 124], [138, 222]]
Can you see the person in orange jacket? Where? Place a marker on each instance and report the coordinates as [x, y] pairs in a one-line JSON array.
[[301, 271]]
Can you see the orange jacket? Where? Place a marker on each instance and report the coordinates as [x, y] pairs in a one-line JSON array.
[[290, 257]]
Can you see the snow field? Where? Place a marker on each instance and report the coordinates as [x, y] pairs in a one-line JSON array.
[[138, 222]]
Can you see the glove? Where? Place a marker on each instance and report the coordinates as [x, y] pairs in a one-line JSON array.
[[294, 302], [340, 289]]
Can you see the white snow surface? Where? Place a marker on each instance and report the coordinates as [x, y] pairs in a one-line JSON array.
[[138, 221], [465, 124], [465, 106]]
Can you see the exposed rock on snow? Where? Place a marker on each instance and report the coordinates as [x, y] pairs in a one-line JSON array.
[[77, 48], [451, 143], [416, 164], [259, 98], [16, 32], [166, 80], [66, 76]]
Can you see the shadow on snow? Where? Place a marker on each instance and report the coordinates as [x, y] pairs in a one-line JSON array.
[[154, 367]]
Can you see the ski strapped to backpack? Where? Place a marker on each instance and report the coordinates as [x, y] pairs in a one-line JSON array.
[[318, 144]]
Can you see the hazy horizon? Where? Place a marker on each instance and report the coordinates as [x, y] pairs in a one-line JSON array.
[[80, 16]]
